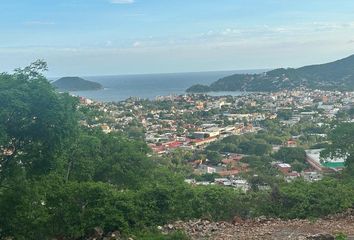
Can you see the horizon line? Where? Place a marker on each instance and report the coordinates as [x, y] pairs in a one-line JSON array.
[[164, 73]]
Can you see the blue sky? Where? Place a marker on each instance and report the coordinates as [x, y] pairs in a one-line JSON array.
[[104, 37]]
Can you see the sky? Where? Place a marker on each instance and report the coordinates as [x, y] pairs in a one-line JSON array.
[[108, 37]]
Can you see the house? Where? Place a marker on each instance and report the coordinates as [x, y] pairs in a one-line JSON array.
[[220, 180], [85, 101], [311, 176], [232, 159], [190, 181], [200, 142], [276, 148], [199, 105], [241, 184], [290, 176], [283, 167], [158, 149], [173, 145], [223, 181], [226, 173], [204, 169], [290, 143], [204, 183]]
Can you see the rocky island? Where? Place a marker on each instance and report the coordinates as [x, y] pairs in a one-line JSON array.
[[76, 84]]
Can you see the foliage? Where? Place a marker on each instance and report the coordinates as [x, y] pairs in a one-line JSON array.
[[60, 180], [36, 123], [341, 236], [207, 177], [198, 88], [315, 76], [246, 144], [290, 154], [213, 157], [342, 138], [284, 114], [304, 200]]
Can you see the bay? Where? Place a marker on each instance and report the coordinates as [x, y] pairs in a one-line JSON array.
[[149, 86]]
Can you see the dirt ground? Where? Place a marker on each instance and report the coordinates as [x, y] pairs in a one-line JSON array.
[[268, 229]]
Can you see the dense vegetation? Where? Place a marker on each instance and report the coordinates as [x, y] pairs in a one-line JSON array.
[[198, 88], [59, 180], [76, 84], [336, 75]]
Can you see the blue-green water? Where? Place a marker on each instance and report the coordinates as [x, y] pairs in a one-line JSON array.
[[118, 88]]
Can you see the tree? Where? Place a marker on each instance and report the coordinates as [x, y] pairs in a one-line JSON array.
[[50, 208], [213, 157], [342, 139], [261, 149], [289, 155], [83, 158], [303, 200], [298, 166], [284, 114], [124, 162], [36, 122], [255, 147]]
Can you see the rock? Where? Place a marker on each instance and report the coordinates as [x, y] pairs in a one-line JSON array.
[[237, 221], [97, 233], [115, 235], [264, 228], [261, 219]]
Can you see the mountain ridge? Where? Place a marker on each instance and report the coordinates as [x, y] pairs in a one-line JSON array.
[[336, 75]]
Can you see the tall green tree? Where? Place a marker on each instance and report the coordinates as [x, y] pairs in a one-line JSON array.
[[291, 154], [342, 139], [36, 122]]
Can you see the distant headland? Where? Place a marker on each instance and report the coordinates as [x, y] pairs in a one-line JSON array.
[[338, 75], [76, 84]]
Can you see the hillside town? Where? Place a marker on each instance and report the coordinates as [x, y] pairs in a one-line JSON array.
[[202, 128]]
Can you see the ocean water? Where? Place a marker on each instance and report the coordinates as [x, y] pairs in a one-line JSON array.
[[149, 86]]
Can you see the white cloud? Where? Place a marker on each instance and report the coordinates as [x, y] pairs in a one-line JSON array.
[[137, 44], [122, 1]]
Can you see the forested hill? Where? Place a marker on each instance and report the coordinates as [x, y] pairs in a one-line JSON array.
[[338, 75], [76, 84]]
